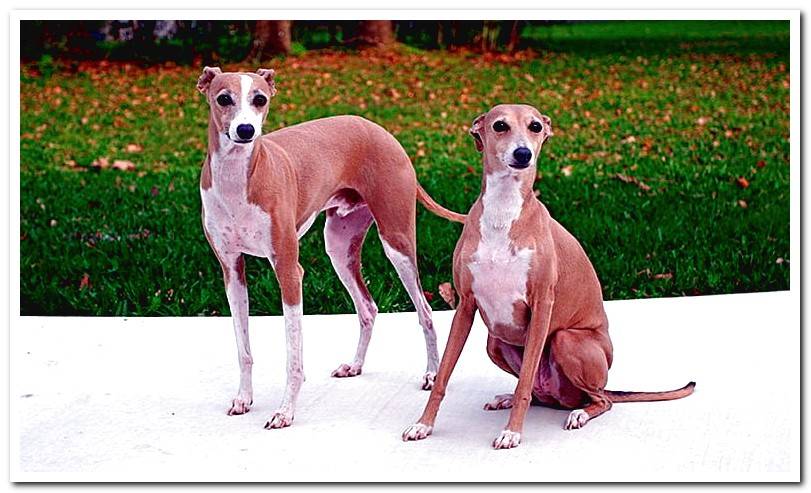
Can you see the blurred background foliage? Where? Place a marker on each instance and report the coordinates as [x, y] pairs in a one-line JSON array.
[[670, 159]]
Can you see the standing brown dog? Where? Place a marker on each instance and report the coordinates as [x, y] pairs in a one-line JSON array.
[[261, 193], [534, 287]]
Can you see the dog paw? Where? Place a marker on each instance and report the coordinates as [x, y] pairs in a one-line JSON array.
[[428, 380], [501, 401], [346, 371], [507, 439], [279, 420], [417, 431], [240, 405], [577, 419]]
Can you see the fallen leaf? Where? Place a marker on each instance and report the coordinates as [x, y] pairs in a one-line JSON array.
[[742, 182], [779, 260], [85, 282], [101, 163], [743, 204], [122, 165], [134, 148], [666, 275], [448, 294], [761, 164], [155, 191], [702, 120], [428, 295], [567, 170], [634, 180]]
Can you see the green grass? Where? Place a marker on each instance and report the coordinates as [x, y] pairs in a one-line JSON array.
[[686, 122]]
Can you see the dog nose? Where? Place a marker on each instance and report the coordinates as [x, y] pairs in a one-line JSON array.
[[522, 155], [245, 131]]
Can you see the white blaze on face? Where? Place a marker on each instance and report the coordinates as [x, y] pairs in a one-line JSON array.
[[247, 113]]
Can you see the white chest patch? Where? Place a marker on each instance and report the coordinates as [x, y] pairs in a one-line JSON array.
[[234, 224], [499, 270]]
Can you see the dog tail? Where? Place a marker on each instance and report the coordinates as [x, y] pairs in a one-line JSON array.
[[437, 209], [669, 395]]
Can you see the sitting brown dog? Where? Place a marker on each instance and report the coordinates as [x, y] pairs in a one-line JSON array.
[[534, 287]]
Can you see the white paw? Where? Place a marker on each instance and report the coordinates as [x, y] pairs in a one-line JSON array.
[[577, 419], [507, 439], [346, 371], [417, 431], [501, 401], [279, 420], [428, 380], [240, 405]]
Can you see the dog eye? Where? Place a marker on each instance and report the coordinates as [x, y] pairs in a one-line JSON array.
[[224, 100], [259, 100], [500, 126], [535, 127]]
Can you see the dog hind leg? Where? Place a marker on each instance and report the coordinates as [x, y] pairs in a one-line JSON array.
[[343, 237], [581, 357]]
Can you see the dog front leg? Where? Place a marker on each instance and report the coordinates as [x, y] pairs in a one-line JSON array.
[[289, 274], [537, 333], [460, 329], [236, 290]]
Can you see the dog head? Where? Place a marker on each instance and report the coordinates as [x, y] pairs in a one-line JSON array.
[[511, 136], [238, 101]]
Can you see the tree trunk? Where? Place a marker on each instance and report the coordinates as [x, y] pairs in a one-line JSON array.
[[375, 33], [270, 38]]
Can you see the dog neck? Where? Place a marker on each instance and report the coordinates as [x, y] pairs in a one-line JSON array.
[[229, 161], [504, 195]]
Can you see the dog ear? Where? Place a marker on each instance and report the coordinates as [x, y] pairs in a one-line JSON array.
[[475, 131], [547, 127], [206, 77], [268, 74]]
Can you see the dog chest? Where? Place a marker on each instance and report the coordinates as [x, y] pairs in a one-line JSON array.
[[236, 225], [498, 268], [499, 282]]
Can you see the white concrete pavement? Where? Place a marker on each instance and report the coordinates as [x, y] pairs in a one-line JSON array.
[[145, 399]]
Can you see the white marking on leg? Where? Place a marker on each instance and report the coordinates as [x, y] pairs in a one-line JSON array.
[[417, 431], [307, 225], [407, 272], [238, 302], [343, 248], [507, 439], [501, 401], [577, 419], [295, 372]]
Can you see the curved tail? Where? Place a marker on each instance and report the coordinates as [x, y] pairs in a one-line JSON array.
[[431, 205], [668, 395]]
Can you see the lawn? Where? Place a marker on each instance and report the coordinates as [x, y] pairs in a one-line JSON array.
[[670, 163]]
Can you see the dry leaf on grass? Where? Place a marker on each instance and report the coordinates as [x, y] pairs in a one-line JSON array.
[[85, 282], [122, 165], [448, 294], [633, 180]]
